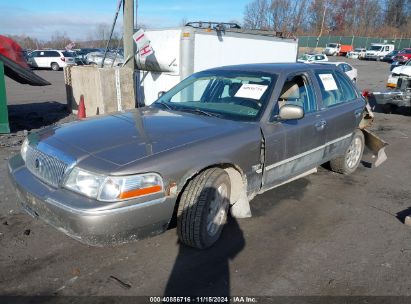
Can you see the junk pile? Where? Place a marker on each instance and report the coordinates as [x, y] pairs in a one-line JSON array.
[[400, 96]]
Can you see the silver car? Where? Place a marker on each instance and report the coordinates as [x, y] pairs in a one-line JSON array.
[[211, 143]]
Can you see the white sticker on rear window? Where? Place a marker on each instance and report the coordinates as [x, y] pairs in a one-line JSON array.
[[253, 91], [328, 82]]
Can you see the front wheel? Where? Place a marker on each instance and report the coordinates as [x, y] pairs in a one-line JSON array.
[[203, 207], [348, 163]]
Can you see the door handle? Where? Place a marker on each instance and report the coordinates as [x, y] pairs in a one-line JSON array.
[[320, 125]]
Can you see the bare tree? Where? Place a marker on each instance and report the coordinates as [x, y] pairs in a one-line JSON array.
[[341, 17], [58, 40], [256, 15]]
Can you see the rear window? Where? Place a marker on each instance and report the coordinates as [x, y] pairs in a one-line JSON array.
[[68, 54]]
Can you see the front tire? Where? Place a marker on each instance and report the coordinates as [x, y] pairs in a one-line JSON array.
[[348, 163], [203, 208], [55, 66]]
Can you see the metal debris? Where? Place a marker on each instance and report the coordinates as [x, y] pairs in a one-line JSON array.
[[120, 282]]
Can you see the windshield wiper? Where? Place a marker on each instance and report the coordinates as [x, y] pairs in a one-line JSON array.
[[199, 111], [165, 105]]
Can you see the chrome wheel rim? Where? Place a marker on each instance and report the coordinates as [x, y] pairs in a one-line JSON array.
[[217, 211], [354, 153]]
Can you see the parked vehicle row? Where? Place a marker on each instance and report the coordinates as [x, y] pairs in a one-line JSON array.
[[58, 59]]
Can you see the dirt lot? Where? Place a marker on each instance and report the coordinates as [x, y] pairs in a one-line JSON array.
[[326, 234]]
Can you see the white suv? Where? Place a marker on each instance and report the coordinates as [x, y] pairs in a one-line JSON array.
[[53, 59]]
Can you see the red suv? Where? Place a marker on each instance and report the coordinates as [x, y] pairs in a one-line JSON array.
[[403, 55]]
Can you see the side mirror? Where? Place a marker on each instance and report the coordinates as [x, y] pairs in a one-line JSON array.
[[289, 112], [161, 93]]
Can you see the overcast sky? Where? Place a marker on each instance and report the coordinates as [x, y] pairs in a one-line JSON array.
[[78, 18]]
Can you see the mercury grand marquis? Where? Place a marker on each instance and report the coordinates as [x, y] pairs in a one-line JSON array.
[[207, 146]]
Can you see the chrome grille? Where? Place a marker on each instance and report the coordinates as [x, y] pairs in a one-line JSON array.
[[47, 168]]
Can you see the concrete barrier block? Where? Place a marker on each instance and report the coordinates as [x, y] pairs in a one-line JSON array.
[[105, 90]]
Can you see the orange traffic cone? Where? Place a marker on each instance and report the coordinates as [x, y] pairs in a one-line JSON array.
[[81, 113]]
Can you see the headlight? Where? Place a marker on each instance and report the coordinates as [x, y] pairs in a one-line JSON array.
[[113, 188], [85, 182], [127, 187], [23, 149]]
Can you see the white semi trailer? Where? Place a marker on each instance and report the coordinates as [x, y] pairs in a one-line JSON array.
[[179, 52]]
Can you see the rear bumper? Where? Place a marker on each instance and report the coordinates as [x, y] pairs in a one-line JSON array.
[[92, 223]]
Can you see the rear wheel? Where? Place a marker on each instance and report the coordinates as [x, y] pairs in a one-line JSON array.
[[203, 207], [348, 163], [55, 66]]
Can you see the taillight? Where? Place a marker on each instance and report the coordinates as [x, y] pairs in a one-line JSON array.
[[63, 59]]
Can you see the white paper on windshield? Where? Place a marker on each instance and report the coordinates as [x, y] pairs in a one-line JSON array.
[[253, 91], [328, 82]]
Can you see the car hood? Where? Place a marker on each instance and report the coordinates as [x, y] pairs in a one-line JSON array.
[[128, 136], [402, 70]]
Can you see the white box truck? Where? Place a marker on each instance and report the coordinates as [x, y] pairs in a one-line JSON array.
[[176, 53], [377, 51]]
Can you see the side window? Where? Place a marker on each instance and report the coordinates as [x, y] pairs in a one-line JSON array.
[[335, 88], [51, 54], [347, 87], [42, 54], [347, 68], [297, 90], [387, 48]]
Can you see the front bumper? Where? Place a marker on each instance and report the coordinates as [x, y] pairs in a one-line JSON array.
[[86, 220], [374, 57]]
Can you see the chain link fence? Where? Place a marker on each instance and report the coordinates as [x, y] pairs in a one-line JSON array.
[[311, 41]]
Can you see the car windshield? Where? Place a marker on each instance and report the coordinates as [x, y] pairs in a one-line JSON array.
[[375, 48], [69, 54], [358, 50], [331, 45], [225, 94]]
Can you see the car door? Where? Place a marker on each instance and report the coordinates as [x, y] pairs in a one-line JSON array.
[[50, 57], [342, 108], [293, 146]]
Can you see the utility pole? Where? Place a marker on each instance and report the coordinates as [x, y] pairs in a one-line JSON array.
[[128, 31]]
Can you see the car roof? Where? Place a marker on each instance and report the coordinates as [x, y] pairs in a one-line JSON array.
[[272, 68], [332, 62], [49, 50]]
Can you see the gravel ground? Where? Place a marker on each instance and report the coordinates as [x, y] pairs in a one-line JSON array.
[[325, 234]]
